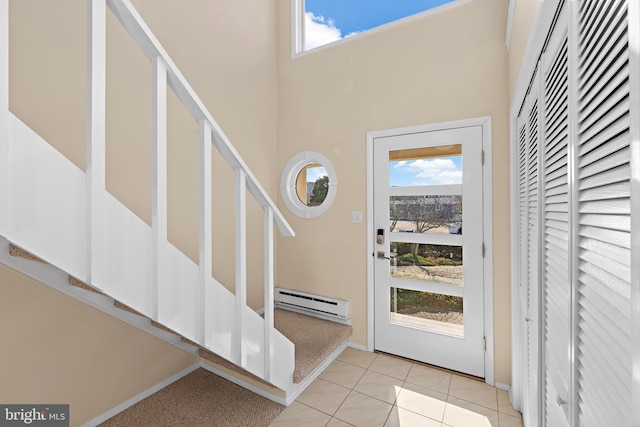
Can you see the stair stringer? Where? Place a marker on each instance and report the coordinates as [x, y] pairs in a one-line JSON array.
[[47, 217]]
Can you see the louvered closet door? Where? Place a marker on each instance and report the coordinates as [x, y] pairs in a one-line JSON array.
[[604, 325], [528, 238], [555, 227]]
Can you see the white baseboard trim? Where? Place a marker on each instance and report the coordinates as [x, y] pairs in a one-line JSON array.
[[502, 386], [359, 347], [140, 396]]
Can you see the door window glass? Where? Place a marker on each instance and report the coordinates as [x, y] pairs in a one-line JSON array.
[[426, 310], [431, 263]]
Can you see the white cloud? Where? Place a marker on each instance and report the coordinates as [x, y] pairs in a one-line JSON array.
[[314, 173], [319, 31], [432, 171], [400, 164]]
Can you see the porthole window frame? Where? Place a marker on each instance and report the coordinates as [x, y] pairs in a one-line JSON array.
[[289, 180]]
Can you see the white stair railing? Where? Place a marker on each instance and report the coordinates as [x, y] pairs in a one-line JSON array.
[[200, 308]]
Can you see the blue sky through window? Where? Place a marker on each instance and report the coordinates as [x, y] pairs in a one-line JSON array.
[[329, 20], [428, 171]]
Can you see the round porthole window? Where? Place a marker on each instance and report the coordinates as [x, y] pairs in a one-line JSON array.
[[308, 184]]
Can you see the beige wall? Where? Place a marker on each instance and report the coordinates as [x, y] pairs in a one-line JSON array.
[[229, 57], [448, 66], [524, 14], [58, 350]]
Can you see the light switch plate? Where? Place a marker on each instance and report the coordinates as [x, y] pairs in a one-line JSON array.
[[356, 216]]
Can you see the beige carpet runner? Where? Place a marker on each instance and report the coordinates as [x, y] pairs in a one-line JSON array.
[[199, 399]]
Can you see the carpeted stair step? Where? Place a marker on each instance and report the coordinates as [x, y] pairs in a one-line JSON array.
[[218, 360], [121, 306], [199, 399], [21, 253], [315, 339], [80, 284], [164, 328]]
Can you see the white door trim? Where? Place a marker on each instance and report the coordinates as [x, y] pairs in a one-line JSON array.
[[485, 122]]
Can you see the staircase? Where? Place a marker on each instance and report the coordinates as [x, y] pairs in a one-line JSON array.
[[59, 225]]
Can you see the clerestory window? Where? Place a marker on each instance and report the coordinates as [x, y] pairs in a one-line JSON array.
[[318, 23]]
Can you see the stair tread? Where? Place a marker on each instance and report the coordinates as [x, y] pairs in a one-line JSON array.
[[219, 360], [21, 253], [80, 284], [121, 306], [315, 339]]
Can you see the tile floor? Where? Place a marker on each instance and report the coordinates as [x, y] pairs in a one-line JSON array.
[[371, 389]]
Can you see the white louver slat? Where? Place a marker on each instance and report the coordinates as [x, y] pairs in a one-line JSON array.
[[604, 282]]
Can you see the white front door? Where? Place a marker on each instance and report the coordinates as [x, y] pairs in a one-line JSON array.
[[428, 245]]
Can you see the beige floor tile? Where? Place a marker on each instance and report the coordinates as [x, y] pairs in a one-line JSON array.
[[423, 401], [391, 366], [425, 376], [509, 421], [380, 386], [364, 359], [361, 410], [324, 396], [474, 391], [402, 418], [297, 415], [338, 423], [504, 406], [341, 373], [460, 413]]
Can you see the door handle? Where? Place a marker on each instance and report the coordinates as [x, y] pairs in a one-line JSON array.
[[381, 255]]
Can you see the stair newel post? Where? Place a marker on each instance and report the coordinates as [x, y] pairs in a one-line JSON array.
[[269, 281], [96, 140], [241, 263], [159, 171], [4, 117], [205, 225]]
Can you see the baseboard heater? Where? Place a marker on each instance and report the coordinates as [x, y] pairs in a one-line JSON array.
[[333, 309]]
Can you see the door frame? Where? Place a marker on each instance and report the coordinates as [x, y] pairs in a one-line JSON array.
[[485, 123]]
